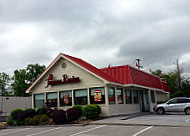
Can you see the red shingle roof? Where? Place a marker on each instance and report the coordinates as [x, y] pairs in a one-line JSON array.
[[120, 74], [129, 75]]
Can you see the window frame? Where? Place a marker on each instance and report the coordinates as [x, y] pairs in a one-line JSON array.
[[42, 99], [55, 104], [74, 91], [92, 96], [61, 98]]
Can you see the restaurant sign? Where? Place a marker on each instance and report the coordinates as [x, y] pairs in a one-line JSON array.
[[64, 80]]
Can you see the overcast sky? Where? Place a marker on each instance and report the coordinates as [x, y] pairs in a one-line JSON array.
[[97, 31]]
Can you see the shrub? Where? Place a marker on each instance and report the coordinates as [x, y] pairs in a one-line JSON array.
[[10, 122], [14, 113], [28, 109], [91, 111], [44, 118], [73, 114], [98, 108], [59, 117], [78, 107], [41, 111], [19, 123], [34, 121], [27, 121], [25, 114]]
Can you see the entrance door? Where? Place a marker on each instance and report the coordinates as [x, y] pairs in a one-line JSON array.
[[144, 101]]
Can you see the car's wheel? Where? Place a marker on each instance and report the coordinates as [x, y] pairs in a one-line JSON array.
[[160, 111], [187, 111]]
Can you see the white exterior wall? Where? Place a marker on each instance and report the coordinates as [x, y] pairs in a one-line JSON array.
[[10, 103], [87, 79], [161, 97], [124, 109]]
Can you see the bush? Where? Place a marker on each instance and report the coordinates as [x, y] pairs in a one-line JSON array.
[[73, 114], [25, 114], [78, 107], [27, 121], [34, 121], [28, 109], [41, 111], [10, 122], [14, 113], [19, 123], [91, 111], [59, 117], [44, 119]]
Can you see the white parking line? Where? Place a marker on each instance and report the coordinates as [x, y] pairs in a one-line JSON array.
[[44, 131], [87, 130], [14, 131], [142, 131]]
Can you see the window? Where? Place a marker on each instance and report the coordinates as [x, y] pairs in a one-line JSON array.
[[152, 96], [99, 98], [181, 100], [128, 96], [173, 101], [38, 100], [119, 95], [65, 98], [52, 99], [80, 97], [135, 96], [111, 95]]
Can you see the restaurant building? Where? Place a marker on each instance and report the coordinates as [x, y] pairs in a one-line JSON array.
[[70, 81]]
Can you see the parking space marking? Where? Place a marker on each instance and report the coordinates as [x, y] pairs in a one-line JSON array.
[[142, 131], [88, 130], [44, 131], [14, 131]]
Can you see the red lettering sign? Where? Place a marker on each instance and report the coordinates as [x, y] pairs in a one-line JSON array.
[[65, 80]]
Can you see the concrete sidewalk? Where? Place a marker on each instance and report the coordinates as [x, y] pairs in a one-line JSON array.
[[146, 119]]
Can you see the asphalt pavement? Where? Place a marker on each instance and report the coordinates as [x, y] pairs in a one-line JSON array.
[[142, 125]]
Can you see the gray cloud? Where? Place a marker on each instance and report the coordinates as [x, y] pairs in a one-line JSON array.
[[100, 32]]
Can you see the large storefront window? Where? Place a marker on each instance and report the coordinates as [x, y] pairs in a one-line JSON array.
[[65, 98], [38, 100], [128, 96], [52, 99], [135, 96], [119, 96], [97, 95], [152, 96], [80, 97], [111, 95]]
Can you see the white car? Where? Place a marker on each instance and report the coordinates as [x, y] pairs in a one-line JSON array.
[[179, 104]]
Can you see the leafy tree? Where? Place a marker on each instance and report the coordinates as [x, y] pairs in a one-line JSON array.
[[4, 84], [25, 77], [157, 72], [20, 83], [34, 71]]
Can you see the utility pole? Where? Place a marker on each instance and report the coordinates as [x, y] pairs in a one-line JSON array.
[[138, 63]]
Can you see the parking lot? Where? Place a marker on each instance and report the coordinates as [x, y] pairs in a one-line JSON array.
[[146, 125]]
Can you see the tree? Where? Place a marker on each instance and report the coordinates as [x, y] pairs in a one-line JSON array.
[[34, 71], [4, 83], [25, 77], [20, 83]]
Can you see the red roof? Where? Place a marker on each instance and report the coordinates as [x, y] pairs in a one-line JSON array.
[[129, 75], [91, 68], [120, 74]]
